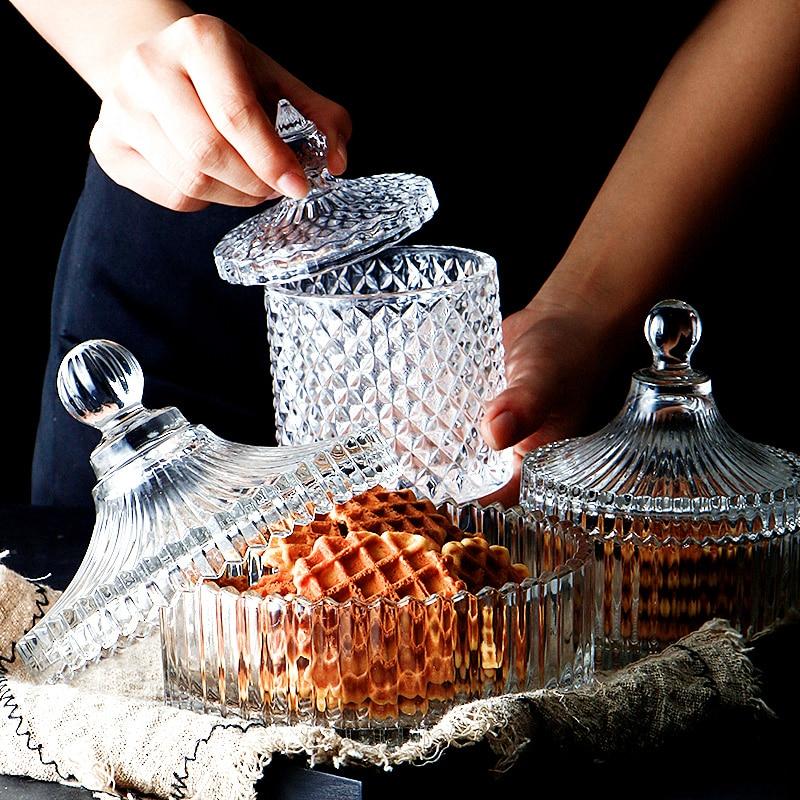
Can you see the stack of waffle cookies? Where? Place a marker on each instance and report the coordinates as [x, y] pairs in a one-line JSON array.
[[383, 544], [385, 659]]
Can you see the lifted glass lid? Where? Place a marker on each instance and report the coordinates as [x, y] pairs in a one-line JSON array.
[[668, 456], [340, 221], [176, 504]]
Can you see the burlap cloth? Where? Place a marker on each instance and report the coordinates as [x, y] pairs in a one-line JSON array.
[[110, 731]]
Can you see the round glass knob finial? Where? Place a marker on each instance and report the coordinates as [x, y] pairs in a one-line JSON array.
[[672, 329], [99, 381]]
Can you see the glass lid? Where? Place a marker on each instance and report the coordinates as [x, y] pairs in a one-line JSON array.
[[175, 503], [338, 222], [668, 454]]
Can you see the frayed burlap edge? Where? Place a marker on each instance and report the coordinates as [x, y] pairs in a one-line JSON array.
[[705, 673]]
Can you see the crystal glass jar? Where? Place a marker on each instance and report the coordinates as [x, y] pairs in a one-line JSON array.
[[174, 503], [691, 521], [390, 664], [407, 339]]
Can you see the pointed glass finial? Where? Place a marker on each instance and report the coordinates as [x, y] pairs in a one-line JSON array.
[[309, 144], [290, 123]]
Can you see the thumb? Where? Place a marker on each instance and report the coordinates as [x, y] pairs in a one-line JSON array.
[[515, 413]]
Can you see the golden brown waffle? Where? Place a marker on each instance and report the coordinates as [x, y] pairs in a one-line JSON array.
[[365, 565], [478, 564], [272, 583], [380, 510], [283, 552], [275, 583]]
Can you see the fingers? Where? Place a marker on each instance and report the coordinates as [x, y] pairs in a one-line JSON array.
[[537, 354], [213, 60], [519, 410], [513, 415], [129, 169], [185, 111], [171, 100], [145, 138]]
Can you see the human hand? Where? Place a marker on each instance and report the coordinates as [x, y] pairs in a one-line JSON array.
[[183, 121], [552, 359]]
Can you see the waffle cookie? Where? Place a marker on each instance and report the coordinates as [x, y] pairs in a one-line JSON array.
[[284, 551], [479, 564], [364, 566], [279, 582], [379, 510]]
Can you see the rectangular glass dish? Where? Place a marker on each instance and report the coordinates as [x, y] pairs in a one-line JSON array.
[[389, 664]]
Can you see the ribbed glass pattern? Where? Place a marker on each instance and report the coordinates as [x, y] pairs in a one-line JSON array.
[[685, 464], [389, 664], [194, 505], [691, 521]]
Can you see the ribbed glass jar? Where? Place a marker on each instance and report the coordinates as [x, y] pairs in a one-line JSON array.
[[173, 502], [386, 664], [690, 520]]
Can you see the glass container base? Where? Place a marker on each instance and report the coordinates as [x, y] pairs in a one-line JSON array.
[[652, 594]]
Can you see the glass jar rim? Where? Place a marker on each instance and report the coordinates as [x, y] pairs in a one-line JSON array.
[[487, 266], [516, 517]]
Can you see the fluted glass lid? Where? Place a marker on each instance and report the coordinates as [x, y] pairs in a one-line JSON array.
[[174, 504], [668, 454], [338, 222]]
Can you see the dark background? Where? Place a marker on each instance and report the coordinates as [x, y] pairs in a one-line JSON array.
[[516, 120]]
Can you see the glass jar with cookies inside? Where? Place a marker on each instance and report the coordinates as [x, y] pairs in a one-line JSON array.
[[690, 520], [300, 584], [385, 613]]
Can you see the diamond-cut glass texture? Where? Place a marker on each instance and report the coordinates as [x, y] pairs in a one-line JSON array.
[[409, 341], [338, 222]]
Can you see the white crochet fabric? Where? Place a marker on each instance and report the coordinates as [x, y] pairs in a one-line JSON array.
[[110, 731]]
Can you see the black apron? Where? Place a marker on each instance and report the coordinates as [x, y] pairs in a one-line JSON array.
[[144, 276]]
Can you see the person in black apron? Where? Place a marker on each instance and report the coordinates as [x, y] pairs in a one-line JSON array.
[[136, 268], [139, 270]]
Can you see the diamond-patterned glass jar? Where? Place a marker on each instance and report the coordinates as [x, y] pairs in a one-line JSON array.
[[409, 341], [360, 329]]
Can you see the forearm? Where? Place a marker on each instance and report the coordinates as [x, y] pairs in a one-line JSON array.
[[92, 35], [722, 94]]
